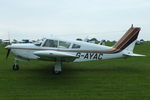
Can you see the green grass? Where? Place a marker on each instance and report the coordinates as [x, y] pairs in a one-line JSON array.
[[117, 79]]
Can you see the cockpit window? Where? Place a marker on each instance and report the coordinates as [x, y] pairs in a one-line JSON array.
[[75, 46], [51, 43], [38, 42], [63, 44]]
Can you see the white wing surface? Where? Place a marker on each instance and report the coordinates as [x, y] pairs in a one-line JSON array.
[[53, 55]]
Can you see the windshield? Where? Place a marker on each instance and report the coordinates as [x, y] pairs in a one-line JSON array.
[[39, 42], [50, 43]]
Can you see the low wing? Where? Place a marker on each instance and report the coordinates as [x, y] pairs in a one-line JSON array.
[[52, 55]]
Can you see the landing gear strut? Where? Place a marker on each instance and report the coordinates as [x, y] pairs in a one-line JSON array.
[[15, 67], [57, 67]]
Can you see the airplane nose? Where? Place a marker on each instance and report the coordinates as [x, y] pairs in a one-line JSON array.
[[8, 47]]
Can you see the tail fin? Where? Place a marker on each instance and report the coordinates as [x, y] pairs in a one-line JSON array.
[[126, 43], [128, 40]]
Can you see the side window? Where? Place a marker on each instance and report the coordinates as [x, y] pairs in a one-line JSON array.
[[63, 44], [76, 46], [50, 43]]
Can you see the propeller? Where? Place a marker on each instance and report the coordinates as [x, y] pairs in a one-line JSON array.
[[8, 52], [9, 49]]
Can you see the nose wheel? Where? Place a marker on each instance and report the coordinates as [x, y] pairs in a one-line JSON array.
[[15, 67]]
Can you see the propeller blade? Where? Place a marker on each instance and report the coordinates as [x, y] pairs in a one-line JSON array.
[[8, 52]]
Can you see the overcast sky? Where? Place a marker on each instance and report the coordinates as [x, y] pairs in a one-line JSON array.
[[103, 19]]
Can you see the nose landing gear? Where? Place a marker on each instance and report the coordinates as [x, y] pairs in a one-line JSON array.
[[15, 67]]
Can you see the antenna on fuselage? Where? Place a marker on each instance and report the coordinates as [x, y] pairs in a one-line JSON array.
[[131, 25]]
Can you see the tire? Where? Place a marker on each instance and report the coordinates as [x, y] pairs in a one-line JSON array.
[[15, 67]]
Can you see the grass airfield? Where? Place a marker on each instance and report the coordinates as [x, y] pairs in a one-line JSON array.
[[117, 79]]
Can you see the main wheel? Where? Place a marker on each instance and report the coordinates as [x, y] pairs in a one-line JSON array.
[[15, 67]]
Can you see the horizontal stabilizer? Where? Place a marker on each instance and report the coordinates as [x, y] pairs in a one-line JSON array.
[[133, 55]]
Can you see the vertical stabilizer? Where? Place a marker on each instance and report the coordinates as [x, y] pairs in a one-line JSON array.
[[128, 39]]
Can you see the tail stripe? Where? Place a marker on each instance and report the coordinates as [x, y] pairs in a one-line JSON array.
[[127, 39]]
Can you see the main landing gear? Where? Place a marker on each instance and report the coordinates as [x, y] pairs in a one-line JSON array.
[[57, 68]]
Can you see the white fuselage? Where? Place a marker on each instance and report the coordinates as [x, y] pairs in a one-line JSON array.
[[26, 51]]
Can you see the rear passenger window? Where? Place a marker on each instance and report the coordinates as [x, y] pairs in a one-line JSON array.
[[75, 46]]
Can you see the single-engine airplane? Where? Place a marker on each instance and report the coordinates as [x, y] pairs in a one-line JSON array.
[[60, 51]]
